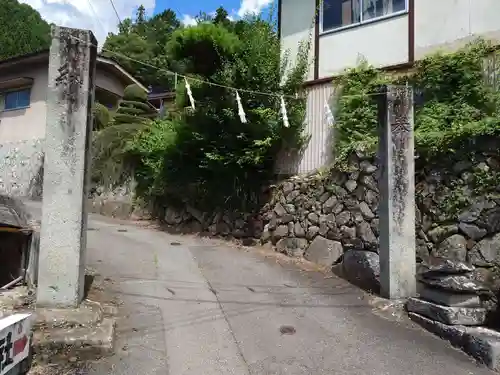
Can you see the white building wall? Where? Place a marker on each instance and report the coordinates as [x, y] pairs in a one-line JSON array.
[[450, 24], [297, 25], [381, 43]]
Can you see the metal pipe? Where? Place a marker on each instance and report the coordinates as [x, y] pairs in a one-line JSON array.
[[12, 283]]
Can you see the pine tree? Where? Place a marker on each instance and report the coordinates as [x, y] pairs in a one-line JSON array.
[[134, 108]]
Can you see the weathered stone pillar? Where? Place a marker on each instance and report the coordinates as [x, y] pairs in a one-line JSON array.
[[397, 190], [67, 159]]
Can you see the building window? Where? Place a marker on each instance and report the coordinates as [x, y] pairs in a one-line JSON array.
[[336, 14], [16, 99]]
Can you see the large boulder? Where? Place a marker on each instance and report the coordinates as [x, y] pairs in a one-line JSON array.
[[323, 251], [362, 268]]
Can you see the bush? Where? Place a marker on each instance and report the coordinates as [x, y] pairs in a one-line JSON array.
[[457, 103], [102, 117], [218, 161]]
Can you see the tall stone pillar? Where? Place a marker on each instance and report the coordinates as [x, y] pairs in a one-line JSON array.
[[70, 98], [397, 190]]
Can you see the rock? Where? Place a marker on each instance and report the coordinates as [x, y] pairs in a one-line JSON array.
[[330, 204], [287, 187], [454, 247], [312, 232], [440, 266], [472, 231], [468, 316], [172, 217], [279, 233], [375, 225], [348, 233], [324, 197], [351, 185], [266, 233], [369, 182], [293, 247], [365, 211], [455, 283], [324, 252], [299, 230], [422, 251], [491, 220], [323, 229], [343, 218], [438, 234], [367, 167], [290, 208], [366, 234], [286, 218], [486, 252], [481, 343], [445, 298], [313, 218], [362, 268], [279, 209], [292, 196], [371, 197]]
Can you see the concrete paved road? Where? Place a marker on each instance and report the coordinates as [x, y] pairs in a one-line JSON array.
[[195, 307], [199, 308]]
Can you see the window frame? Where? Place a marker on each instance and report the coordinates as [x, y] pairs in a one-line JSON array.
[[4, 94], [362, 22]]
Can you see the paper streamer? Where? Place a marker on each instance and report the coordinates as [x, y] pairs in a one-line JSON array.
[[241, 111], [283, 113], [330, 120], [190, 93]]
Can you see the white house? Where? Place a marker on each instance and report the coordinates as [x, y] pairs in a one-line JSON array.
[[390, 34]]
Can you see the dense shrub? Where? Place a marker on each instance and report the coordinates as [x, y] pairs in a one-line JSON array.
[[456, 103], [209, 157]]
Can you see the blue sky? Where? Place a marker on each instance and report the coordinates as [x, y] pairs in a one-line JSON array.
[[100, 17], [187, 9]]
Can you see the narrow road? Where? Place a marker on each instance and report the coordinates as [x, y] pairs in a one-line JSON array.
[[193, 307]]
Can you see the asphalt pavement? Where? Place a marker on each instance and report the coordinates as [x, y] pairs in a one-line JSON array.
[[198, 307]]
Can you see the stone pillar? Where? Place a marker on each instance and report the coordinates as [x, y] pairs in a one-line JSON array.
[[63, 235], [397, 190]]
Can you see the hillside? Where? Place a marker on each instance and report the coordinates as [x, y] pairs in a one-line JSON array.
[[22, 30]]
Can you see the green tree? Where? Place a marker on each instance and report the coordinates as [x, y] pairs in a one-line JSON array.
[[22, 30], [145, 40], [111, 164], [102, 116]]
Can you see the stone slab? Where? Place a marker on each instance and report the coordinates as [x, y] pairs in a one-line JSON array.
[[87, 314], [481, 343], [468, 316], [83, 342], [323, 251], [442, 297]]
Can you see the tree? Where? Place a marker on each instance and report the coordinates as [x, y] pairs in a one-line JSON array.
[[22, 30], [111, 165], [145, 39]]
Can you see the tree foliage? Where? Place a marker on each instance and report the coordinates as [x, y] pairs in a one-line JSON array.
[[454, 105], [214, 160], [144, 39], [22, 30]]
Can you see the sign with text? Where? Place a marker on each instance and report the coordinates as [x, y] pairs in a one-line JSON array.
[[15, 340]]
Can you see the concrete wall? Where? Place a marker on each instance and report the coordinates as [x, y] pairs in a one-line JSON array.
[[443, 24], [297, 26], [22, 132], [450, 24], [382, 43]]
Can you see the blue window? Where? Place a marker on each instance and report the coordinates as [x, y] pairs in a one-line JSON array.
[[17, 99]]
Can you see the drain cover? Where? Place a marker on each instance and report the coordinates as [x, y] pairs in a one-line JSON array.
[[287, 330], [175, 243]]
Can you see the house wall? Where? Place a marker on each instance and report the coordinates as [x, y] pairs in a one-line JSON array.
[[439, 25], [297, 25], [450, 24], [22, 133], [381, 43]]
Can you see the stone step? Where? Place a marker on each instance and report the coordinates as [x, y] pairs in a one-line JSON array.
[[84, 343], [87, 314], [451, 315], [481, 343]]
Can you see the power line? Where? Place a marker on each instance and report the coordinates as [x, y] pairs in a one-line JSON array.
[[95, 15], [116, 12]]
